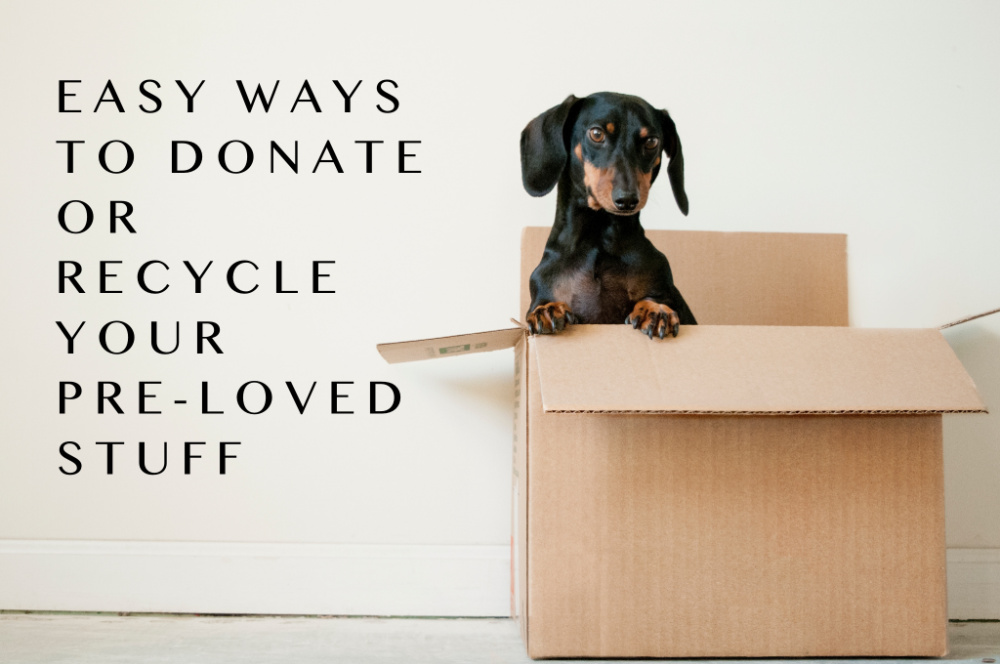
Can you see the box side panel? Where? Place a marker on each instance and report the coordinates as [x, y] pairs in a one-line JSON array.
[[688, 536], [519, 502], [759, 278], [742, 278]]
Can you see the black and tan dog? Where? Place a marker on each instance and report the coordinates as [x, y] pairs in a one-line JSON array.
[[604, 152]]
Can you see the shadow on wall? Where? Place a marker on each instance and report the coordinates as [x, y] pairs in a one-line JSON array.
[[480, 385], [972, 443], [494, 392]]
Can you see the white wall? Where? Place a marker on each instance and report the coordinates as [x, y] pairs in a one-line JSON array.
[[875, 120]]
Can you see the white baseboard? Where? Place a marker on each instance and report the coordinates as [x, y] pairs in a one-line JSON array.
[[326, 579], [212, 577], [974, 584]]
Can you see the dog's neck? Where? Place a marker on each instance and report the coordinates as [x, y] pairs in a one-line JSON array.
[[578, 227]]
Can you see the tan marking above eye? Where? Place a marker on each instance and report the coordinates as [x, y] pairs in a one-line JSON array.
[[644, 132], [596, 134], [611, 127]]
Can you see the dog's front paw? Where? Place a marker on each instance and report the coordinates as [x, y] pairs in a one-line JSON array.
[[550, 318], [654, 319]]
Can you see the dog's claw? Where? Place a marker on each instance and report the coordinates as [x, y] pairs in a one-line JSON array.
[[654, 319], [546, 322], [550, 318]]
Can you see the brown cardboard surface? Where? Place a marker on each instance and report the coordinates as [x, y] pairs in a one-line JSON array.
[[753, 369], [519, 502], [715, 536], [460, 344], [709, 535], [742, 278]]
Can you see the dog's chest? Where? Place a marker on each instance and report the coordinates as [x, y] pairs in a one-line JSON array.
[[597, 288]]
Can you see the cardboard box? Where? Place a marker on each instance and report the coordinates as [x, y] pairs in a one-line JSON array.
[[767, 484]]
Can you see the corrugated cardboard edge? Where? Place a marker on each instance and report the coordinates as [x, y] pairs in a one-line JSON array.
[[519, 504], [968, 318]]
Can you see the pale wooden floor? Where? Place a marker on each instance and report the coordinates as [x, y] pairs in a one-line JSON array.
[[30, 638]]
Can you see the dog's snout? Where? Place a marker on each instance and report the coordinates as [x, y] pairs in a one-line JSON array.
[[626, 202], [625, 192]]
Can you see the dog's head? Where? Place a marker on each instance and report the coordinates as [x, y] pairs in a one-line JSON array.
[[611, 145]]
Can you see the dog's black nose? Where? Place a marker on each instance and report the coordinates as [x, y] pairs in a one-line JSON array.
[[627, 202]]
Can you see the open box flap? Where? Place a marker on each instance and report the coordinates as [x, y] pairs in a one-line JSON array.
[[461, 344], [752, 370]]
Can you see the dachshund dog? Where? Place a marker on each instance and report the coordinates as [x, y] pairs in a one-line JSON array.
[[604, 152]]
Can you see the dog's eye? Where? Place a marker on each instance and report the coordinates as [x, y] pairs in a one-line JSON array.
[[596, 134], [652, 143]]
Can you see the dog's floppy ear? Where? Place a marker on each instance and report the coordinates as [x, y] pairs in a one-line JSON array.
[[543, 149], [675, 170]]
